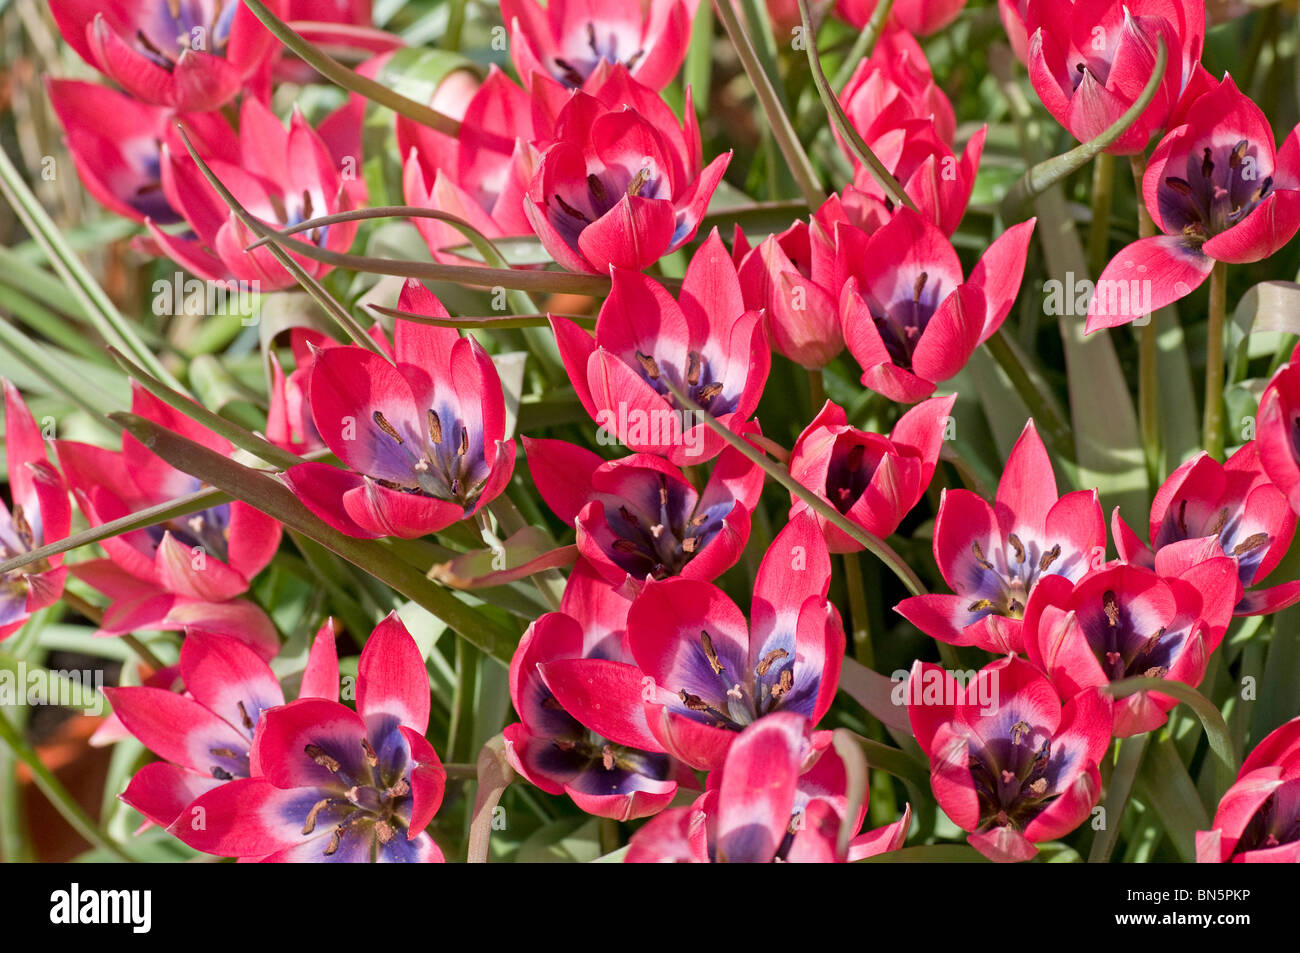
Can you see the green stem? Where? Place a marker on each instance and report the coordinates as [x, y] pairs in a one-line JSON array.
[[1148, 383], [859, 614], [1131, 751], [816, 390], [56, 793], [1213, 438], [1103, 192]]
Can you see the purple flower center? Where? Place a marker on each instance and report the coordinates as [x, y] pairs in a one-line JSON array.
[[1123, 648], [1226, 526], [373, 804], [1013, 777], [1275, 822], [1006, 586], [175, 27], [902, 322], [441, 463], [849, 473], [608, 46], [740, 698], [700, 384], [1219, 188], [660, 542]]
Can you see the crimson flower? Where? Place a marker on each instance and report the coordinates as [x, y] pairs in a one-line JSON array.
[[205, 735], [204, 559], [1127, 622], [1218, 191], [910, 319], [329, 784], [480, 175], [621, 184], [423, 435], [1017, 771], [280, 176], [711, 674], [1207, 508], [568, 39], [993, 556], [640, 518], [1258, 820], [189, 55], [872, 479], [1278, 429], [781, 795], [582, 651], [38, 513], [705, 341], [1089, 61]]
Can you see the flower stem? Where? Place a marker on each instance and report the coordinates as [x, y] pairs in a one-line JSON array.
[[859, 614], [816, 390], [1213, 436], [1148, 387], [1103, 192]]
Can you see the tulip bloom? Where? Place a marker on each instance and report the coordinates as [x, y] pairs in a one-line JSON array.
[[1127, 622], [204, 736], [993, 556], [188, 55], [921, 17], [1220, 193], [330, 784], [910, 319], [1018, 771], [713, 674], [1258, 820], [115, 142], [1276, 428], [581, 650], [621, 184], [1207, 508], [38, 513], [893, 86], [794, 277], [210, 556], [706, 342], [568, 39], [780, 795], [480, 175], [639, 517], [871, 479], [288, 420], [424, 437], [1089, 61], [282, 177]]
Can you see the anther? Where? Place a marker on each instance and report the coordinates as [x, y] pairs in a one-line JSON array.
[[386, 427]]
